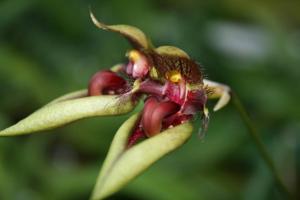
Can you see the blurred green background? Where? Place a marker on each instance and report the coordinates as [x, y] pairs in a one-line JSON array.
[[50, 47]]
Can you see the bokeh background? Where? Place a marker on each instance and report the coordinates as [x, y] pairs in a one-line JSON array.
[[50, 47]]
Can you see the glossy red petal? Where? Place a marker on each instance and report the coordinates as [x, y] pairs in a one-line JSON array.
[[154, 124], [105, 80], [149, 107]]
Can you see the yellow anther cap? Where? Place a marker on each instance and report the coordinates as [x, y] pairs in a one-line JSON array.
[[173, 76], [134, 55]]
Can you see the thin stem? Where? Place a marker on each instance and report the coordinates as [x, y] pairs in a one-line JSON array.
[[259, 144]]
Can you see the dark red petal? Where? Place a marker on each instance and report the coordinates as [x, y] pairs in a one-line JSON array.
[[137, 135], [152, 87], [154, 124], [104, 80], [149, 107], [196, 99], [176, 92], [176, 119], [197, 96]]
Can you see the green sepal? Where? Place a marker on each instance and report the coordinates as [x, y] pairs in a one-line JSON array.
[[69, 108], [122, 165]]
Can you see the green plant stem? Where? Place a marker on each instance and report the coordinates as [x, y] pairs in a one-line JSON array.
[[259, 144]]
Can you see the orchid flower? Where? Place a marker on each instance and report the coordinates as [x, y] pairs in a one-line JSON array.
[[173, 89]]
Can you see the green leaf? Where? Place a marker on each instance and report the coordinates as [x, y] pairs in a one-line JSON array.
[[171, 51], [135, 36], [123, 165], [65, 110]]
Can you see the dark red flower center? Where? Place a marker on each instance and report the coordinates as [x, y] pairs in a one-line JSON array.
[[171, 99]]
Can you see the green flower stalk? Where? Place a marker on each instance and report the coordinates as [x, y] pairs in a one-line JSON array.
[[174, 92]]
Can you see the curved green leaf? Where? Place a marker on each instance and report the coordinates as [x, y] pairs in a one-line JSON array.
[[62, 112], [135, 36], [123, 165]]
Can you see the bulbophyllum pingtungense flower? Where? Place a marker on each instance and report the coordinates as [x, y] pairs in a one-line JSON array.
[[173, 89]]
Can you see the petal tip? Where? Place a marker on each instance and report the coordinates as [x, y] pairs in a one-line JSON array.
[[134, 35], [223, 101]]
